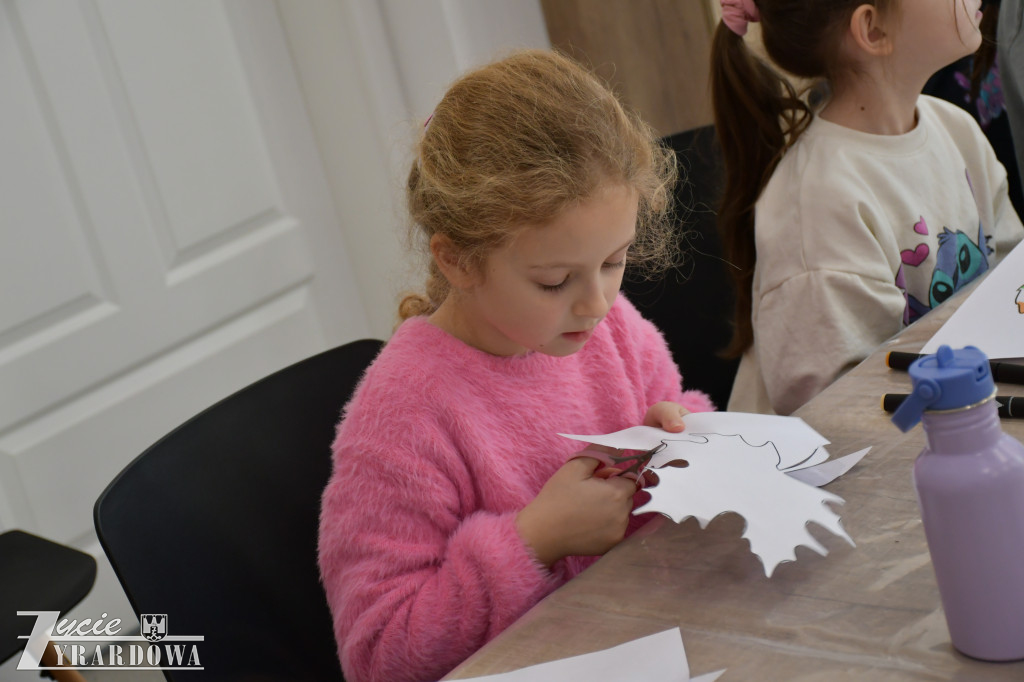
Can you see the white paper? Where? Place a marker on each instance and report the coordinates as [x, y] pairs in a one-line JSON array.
[[795, 441], [726, 474], [763, 467], [823, 474], [633, 438], [655, 658], [819, 456], [992, 317]]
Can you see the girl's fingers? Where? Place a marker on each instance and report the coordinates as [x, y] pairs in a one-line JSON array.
[[607, 472], [587, 464], [668, 416]]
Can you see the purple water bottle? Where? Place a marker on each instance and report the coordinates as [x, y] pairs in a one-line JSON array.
[[970, 486]]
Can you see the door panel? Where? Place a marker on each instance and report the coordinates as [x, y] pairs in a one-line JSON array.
[[186, 95], [64, 459], [161, 199]]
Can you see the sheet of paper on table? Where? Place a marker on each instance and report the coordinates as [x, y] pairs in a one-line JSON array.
[[763, 467], [992, 317], [655, 658]]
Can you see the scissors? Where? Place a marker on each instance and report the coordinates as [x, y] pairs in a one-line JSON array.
[[630, 466]]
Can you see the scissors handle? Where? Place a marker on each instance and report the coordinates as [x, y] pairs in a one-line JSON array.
[[627, 467]]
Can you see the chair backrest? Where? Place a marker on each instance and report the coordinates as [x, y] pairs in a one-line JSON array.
[[37, 574], [693, 303], [216, 524]]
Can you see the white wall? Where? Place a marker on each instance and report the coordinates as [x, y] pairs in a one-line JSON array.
[[371, 72]]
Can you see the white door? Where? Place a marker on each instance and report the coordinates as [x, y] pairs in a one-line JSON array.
[[166, 237]]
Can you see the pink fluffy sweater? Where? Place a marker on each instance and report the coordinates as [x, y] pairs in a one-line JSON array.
[[439, 449]]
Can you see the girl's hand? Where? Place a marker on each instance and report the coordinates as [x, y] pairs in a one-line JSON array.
[[666, 415], [576, 513]]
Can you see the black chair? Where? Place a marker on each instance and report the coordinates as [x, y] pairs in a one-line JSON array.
[[216, 524], [693, 303], [37, 574]]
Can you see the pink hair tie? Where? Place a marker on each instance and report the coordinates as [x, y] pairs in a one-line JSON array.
[[736, 14]]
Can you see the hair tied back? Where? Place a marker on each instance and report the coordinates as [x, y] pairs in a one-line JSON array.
[[736, 14]]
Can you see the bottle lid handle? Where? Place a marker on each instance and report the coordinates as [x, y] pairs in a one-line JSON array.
[[908, 414]]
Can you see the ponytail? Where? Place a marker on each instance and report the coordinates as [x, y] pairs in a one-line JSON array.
[[414, 304], [758, 115], [985, 57]]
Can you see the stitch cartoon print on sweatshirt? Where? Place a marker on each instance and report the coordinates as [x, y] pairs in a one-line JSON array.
[[958, 261]]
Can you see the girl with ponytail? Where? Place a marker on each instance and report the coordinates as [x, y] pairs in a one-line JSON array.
[[852, 203]]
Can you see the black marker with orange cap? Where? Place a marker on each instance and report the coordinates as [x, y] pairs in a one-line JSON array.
[[1007, 406], [1002, 372]]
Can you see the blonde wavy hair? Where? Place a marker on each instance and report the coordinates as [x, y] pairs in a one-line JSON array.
[[518, 141]]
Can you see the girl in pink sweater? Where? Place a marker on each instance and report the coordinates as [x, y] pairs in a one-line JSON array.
[[455, 506]]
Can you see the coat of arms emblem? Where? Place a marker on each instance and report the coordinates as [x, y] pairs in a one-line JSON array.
[[153, 626]]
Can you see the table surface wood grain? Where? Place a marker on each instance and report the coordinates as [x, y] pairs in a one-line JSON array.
[[870, 612]]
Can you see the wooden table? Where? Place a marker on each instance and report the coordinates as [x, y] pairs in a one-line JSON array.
[[869, 613]]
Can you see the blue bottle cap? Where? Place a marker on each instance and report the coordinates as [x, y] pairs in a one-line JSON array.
[[948, 380]]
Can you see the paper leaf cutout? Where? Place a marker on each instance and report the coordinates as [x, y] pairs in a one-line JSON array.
[[793, 438], [797, 443], [759, 466], [726, 474]]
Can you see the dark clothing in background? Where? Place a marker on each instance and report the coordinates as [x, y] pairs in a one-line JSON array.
[[953, 84], [1010, 51]]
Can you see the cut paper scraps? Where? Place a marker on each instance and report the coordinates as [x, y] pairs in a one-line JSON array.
[[763, 467], [655, 658], [992, 316]]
